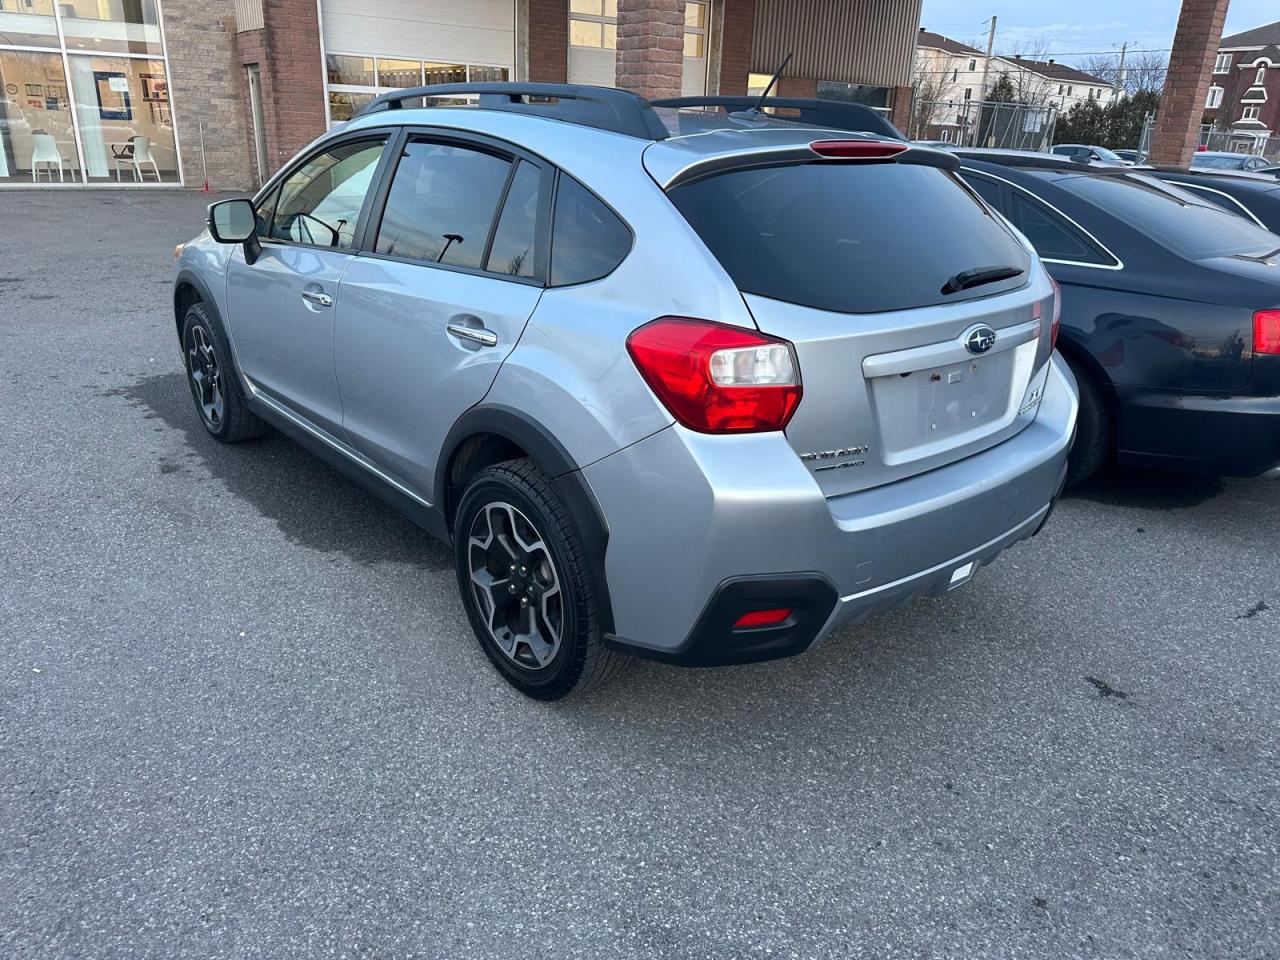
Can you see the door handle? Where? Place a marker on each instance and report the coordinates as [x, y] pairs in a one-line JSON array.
[[317, 297], [486, 338]]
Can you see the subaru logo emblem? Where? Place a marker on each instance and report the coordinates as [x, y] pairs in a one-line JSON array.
[[979, 339]]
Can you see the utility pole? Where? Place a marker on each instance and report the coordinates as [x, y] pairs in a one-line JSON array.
[[986, 67], [1119, 81]]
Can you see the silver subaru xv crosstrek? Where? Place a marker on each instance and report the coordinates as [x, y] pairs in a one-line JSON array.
[[701, 396]]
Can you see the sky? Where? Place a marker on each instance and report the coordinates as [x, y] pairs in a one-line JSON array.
[[1069, 30]]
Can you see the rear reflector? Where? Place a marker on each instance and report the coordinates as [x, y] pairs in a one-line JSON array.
[[762, 618], [716, 378], [1266, 331], [857, 149]]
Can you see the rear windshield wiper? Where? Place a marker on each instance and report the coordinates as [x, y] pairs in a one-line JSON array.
[[978, 276]]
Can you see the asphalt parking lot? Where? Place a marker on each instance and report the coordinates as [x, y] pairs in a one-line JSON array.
[[242, 713]]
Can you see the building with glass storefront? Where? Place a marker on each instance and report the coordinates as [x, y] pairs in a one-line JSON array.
[[88, 97], [84, 93]]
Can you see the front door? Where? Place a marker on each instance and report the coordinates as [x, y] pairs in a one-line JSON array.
[[281, 307], [427, 315]]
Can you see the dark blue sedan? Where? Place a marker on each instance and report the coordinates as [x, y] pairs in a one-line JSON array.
[[1171, 312]]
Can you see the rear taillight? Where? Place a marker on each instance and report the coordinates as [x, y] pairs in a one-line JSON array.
[[1266, 331], [718, 379], [1057, 313], [857, 149]]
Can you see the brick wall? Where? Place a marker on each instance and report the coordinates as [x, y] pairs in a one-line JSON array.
[[547, 35], [651, 47], [1195, 45], [788, 86], [900, 113], [206, 90], [737, 32]]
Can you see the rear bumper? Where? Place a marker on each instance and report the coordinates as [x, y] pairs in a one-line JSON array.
[[1223, 435], [693, 517]]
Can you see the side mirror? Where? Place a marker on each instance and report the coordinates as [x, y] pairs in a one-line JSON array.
[[234, 221]]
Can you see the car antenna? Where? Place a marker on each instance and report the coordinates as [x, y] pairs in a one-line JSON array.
[[757, 111]]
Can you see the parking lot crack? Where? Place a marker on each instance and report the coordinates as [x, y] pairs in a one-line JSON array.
[[1253, 611], [1106, 690]]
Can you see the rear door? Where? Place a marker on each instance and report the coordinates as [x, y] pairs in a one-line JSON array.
[[918, 337], [454, 264], [281, 307]]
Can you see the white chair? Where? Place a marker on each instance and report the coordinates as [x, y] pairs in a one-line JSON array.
[[44, 152], [136, 154]]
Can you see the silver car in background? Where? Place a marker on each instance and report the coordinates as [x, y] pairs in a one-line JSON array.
[[704, 398]]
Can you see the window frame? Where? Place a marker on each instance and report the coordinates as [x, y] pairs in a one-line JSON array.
[[1006, 211], [1214, 100], [367, 246], [1222, 63], [276, 185]]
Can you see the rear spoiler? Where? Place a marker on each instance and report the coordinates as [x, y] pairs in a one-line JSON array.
[[811, 112], [672, 171]]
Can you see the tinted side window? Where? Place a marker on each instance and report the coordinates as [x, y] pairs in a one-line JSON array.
[[988, 190], [442, 203], [587, 238], [1216, 197], [320, 201], [513, 241], [1052, 236]]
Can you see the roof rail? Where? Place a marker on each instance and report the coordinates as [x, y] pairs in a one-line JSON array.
[[834, 114], [603, 108]]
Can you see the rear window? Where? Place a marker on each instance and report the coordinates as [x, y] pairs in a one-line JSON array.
[[852, 238], [1175, 219]]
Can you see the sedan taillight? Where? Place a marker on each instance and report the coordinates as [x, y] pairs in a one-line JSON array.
[[1266, 331], [1057, 313], [716, 378]]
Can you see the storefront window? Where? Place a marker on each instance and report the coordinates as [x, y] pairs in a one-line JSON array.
[[111, 26], [351, 71], [399, 73], [126, 127], [343, 106], [37, 142], [28, 23], [95, 110]]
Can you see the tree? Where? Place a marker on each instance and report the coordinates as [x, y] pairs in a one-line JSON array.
[[1116, 126], [931, 87], [1143, 72]]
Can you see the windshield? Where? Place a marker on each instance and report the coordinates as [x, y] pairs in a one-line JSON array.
[[1218, 163], [853, 238], [1175, 219], [1106, 154]]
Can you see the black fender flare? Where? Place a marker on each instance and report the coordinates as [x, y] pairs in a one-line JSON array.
[[189, 276], [556, 462]]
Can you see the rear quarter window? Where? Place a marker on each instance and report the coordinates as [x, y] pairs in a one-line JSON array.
[[850, 238], [588, 240]]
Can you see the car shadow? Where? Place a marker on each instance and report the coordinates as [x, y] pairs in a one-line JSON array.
[[1147, 489], [311, 503]]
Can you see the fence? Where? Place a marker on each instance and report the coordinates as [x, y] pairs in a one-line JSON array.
[[972, 123], [1234, 142]]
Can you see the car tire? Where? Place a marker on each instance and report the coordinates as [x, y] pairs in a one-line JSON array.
[[206, 357], [524, 579], [1093, 431]]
